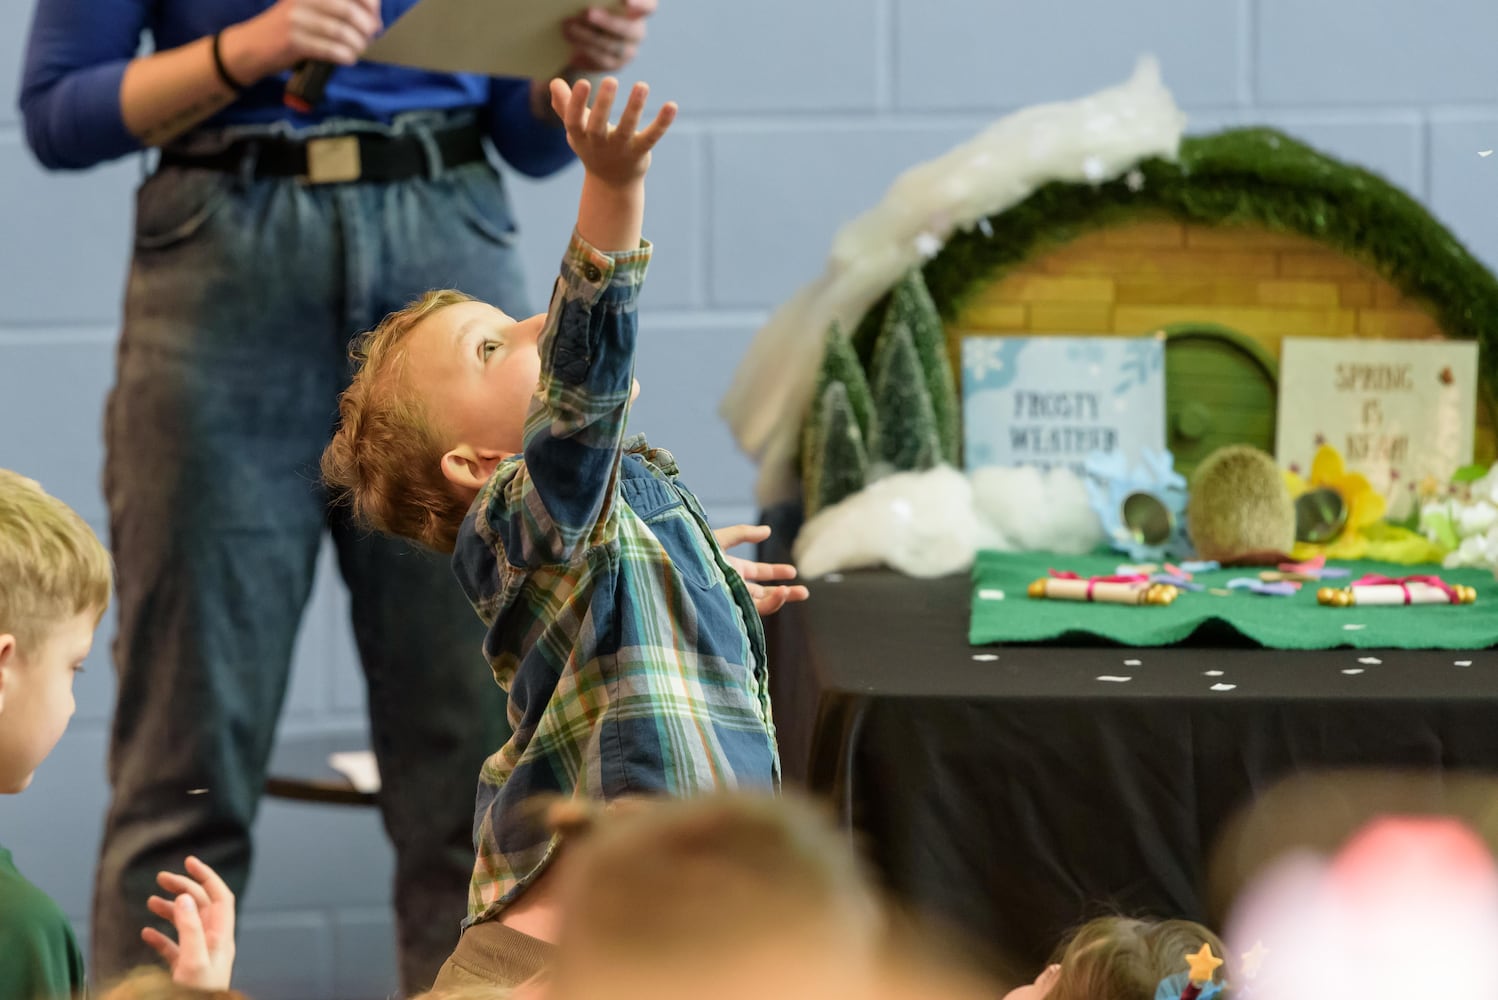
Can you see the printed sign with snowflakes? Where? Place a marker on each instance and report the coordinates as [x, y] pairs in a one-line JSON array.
[[1400, 411], [1056, 400]]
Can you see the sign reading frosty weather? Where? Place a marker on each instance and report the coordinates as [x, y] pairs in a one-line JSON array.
[[1056, 400]]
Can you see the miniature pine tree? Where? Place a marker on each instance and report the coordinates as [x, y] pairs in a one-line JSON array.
[[911, 306], [836, 462], [831, 467], [906, 438], [840, 364]]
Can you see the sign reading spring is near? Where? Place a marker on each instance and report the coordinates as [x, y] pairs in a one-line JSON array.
[[1400, 412]]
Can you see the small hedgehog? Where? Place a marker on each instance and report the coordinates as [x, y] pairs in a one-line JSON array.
[[1239, 509]]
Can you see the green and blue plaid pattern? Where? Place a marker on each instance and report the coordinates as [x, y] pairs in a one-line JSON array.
[[632, 652]]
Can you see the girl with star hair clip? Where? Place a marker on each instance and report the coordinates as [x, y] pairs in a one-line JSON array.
[[1123, 958]]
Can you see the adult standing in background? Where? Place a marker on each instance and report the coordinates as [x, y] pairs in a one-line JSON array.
[[264, 241]]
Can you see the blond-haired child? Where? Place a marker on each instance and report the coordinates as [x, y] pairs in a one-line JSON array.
[[1124, 958], [735, 896], [630, 645], [55, 584]]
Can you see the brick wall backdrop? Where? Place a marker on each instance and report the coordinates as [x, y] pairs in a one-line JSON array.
[[796, 114]]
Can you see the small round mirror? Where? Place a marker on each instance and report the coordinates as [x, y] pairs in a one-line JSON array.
[[1147, 518], [1320, 516]]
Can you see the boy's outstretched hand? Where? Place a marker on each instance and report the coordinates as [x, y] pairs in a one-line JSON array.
[[618, 155], [202, 911], [767, 600]]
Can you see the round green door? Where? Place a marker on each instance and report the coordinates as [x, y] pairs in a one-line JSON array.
[[1221, 388]]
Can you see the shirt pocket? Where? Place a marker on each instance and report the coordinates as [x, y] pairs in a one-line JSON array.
[[675, 529]]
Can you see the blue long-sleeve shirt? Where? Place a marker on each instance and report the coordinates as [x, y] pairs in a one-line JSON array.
[[78, 50]]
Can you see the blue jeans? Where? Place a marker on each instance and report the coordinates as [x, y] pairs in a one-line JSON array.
[[242, 298]]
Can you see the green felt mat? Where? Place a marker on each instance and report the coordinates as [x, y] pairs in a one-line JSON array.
[[1296, 622]]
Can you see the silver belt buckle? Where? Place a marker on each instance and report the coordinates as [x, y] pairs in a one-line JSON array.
[[333, 159]]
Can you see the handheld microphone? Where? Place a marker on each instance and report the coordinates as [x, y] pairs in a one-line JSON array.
[[305, 88]]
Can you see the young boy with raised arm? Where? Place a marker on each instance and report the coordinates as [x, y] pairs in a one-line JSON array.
[[630, 645]]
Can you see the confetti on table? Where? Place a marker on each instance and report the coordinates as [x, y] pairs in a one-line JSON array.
[[990, 595], [1219, 592], [1313, 569], [1200, 566], [1353, 670], [1179, 582], [1223, 687], [1114, 679], [1462, 663], [1132, 663], [1371, 661], [1281, 588], [1353, 628], [985, 657], [1211, 673], [833, 578]]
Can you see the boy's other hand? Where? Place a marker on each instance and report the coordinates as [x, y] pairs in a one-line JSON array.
[[202, 911], [606, 39], [767, 600], [617, 155]]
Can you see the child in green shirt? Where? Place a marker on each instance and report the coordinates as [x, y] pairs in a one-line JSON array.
[[54, 586]]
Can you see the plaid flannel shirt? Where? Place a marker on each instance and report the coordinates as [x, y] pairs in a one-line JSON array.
[[632, 652]]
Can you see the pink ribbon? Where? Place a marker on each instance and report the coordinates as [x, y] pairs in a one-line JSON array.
[[1403, 582], [1093, 581]]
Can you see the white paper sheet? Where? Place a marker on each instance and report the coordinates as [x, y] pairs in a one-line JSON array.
[[495, 37], [359, 767]]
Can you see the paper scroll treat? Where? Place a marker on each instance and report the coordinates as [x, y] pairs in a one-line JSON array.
[[1384, 590], [1104, 589]]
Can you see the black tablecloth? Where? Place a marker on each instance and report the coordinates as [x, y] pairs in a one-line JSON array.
[[1016, 796]]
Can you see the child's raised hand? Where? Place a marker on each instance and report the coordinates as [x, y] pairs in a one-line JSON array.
[[617, 154], [202, 911]]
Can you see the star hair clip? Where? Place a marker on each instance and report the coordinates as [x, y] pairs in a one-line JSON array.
[[1196, 983]]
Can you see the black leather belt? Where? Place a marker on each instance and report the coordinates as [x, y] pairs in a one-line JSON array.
[[355, 156]]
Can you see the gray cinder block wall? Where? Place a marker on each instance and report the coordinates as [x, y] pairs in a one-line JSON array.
[[796, 115]]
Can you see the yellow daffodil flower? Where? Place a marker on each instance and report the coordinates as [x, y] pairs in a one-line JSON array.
[[1364, 535]]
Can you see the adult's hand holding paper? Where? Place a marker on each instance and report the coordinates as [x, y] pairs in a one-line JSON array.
[[495, 37]]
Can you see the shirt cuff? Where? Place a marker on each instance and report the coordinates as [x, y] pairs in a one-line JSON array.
[[589, 271]]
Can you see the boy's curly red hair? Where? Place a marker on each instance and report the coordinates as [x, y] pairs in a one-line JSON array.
[[385, 458]]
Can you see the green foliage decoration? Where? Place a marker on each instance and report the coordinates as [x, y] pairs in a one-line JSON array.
[[835, 438], [836, 460], [1242, 177], [907, 438], [910, 306]]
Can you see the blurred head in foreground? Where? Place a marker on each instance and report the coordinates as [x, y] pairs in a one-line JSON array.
[[153, 983], [723, 896], [1407, 904]]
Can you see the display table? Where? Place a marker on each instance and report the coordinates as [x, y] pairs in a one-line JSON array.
[[1012, 790]]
